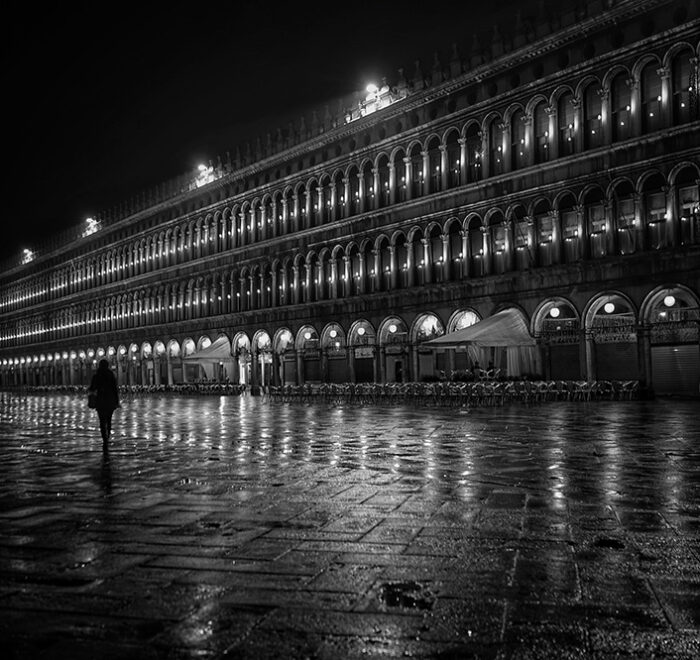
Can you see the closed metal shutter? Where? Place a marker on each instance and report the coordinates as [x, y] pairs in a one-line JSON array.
[[312, 370], [617, 361], [290, 371], [364, 370], [564, 362], [338, 370], [675, 369]]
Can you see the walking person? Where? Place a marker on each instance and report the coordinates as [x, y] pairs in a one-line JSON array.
[[104, 384]]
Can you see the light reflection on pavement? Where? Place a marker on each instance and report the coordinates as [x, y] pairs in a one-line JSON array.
[[233, 527]]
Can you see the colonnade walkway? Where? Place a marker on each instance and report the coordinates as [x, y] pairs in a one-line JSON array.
[[237, 527]]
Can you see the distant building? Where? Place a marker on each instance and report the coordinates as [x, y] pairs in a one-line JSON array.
[[554, 171]]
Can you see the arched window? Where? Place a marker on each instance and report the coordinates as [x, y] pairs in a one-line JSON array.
[[416, 182], [541, 130], [620, 99], [623, 198], [473, 149], [592, 116], [684, 89], [597, 224], [353, 204], [565, 119], [498, 231], [435, 255], [496, 147], [476, 248], [453, 165], [651, 98], [655, 212], [400, 174], [688, 206], [518, 155], [569, 229], [522, 239], [544, 234], [384, 192], [435, 166]]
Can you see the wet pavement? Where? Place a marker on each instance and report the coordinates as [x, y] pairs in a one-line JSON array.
[[229, 527]]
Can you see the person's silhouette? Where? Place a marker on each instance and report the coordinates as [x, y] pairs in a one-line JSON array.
[[104, 384]]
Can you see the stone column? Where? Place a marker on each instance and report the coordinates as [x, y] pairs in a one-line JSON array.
[[578, 124], [425, 175], [584, 240], [347, 276], [408, 177], [376, 189], [605, 115], [485, 154], [427, 275], [466, 254], [285, 217], [333, 284], [321, 205], [274, 290], [296, 223], [393, 276], [463, 160], [410, 265], [308, 282], [509, 246], [295, 285], [640, 234], [635, 106], [557, 238], [362, 203], [392, 183], [444, 167], [506, 146], [285, 298], [344, 206], [530, 146], [305, 220], [486, 250]]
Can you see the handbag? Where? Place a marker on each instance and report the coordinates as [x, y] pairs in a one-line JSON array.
[[92, 399]]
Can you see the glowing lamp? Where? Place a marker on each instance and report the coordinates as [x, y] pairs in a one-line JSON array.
[[554, 312], [609, 308], [669, 301]]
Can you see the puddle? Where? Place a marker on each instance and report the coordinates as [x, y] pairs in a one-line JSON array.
[[412, 595]]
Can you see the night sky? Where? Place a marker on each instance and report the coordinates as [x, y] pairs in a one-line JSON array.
[[108, 99]]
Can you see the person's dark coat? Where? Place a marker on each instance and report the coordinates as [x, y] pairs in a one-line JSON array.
[[104, 383]]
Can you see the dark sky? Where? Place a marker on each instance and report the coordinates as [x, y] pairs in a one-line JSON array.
[[107, 99]]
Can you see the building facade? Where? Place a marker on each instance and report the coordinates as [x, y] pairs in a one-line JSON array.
[[555, 172]]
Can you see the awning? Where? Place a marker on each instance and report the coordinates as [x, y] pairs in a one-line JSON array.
[[217, 351], [505, 328]]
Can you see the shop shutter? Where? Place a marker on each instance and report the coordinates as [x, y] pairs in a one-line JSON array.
[[290, 371], [312, 370], [364, 370], [338, 370], [676, 369], [617, 361], [564, 362]]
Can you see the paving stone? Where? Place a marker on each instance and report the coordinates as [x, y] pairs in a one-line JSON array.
[[234, 528]]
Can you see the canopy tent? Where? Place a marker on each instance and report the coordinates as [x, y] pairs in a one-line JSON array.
[[217, 352], [504, 330]]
